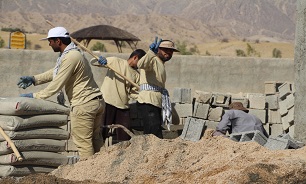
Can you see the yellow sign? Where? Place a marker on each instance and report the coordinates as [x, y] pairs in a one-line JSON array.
[[17, 40]]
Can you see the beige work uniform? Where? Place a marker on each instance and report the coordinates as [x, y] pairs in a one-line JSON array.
[[76, 77], [116, 90], [153, 72]]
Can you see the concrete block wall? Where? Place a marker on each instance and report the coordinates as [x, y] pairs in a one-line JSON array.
[[275, 107]]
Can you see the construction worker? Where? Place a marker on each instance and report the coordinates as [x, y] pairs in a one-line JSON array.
[[72, 72], [117, 91], [153, 99], [237, 119]]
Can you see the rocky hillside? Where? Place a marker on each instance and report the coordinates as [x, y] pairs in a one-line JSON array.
[[193, 21]]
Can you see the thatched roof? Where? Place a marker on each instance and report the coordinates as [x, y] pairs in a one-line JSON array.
[[105, 32]]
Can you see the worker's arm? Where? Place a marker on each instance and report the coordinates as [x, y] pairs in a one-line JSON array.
[[44, 77], [225, 124], [65, 71], [133, 93], [147, 61]]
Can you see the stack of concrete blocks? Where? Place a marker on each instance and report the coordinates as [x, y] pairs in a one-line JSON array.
[[206, 108], [181, 105], [280, 106]]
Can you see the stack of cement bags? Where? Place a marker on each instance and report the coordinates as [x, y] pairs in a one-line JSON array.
[[34, 127]]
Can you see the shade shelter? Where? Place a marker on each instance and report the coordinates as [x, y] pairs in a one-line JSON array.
[[106, 32]]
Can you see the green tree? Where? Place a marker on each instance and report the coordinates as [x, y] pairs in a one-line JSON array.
[[276, 53], [1, 43], [251, 51], [99, 47], [182, 47], [240, 53], [207, 53]]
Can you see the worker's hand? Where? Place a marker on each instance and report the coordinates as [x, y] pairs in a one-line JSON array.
[[25, 81], [154, 46], [28, 95], [102, 61]]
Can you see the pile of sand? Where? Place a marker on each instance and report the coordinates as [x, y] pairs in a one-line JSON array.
[[147, 159]]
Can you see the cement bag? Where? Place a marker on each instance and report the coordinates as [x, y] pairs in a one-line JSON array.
[[38, 133], [40, 158], [25, 122], [17, 171], [33, 145], [30, 106]]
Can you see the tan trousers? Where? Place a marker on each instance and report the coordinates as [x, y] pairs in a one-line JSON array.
[[86, 127]]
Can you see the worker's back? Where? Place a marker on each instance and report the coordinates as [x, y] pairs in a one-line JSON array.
[[240, 121]]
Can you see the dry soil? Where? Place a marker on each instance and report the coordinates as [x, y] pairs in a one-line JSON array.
[[147, 159]]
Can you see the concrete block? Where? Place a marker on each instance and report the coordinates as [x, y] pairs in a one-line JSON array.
[[261, 114], [276, 129], [255, 136], [289, 101], [215, 114], [290, 116], [284, 90], [203, 97], [180, 111], [244, 101], [291, 131], [277, 143], [274, 117], [193, 129], [201, 110], [257, 101], [272, 101], [181, 95], [282, 107], [211, 124], [285, 123], [221, 100], [270, 87]]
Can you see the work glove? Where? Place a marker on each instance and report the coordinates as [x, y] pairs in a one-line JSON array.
[[154, 46], [102, 61], [28, 95], [25, 81]]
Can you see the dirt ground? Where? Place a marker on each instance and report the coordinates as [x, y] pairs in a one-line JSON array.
[[147, 159]]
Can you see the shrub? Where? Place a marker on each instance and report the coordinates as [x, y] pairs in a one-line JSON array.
[[240, 53], [99, 47], [224, 40], [276, 53], [1, 43], [37, 47], [207, 53], [182, 47]]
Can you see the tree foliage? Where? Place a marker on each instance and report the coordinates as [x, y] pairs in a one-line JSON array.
[[99, 47], [2, 43], [250, 52], [182, 47], [276, 53]]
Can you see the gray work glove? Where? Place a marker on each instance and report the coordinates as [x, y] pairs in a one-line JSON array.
[[25, 81]]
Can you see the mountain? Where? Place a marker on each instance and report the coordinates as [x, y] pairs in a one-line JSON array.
[[193, 21]]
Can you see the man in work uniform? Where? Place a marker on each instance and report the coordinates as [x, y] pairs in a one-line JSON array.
[[153, 99], [237, 119], [73, 72], [117, 91]]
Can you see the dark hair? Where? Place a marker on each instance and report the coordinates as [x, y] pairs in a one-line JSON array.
[[138, 52], [65, 40]]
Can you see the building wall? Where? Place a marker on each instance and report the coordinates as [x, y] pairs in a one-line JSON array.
[[212, 74]]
